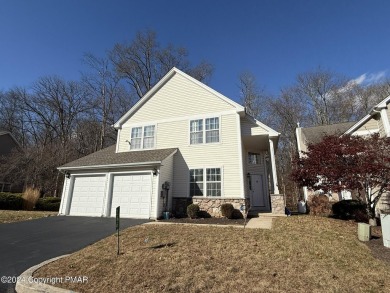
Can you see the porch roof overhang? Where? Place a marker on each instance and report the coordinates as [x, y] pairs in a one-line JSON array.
[[259, 142]]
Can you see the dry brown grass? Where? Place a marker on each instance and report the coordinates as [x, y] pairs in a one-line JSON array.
[[300, 254], [7, 216], [30, 197]]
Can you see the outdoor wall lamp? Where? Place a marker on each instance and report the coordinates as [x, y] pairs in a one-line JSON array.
[[67, 175], [155, 172], [248, 175]]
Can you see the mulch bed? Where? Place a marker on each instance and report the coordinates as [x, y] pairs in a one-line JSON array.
[[376, 245], [207, 221]]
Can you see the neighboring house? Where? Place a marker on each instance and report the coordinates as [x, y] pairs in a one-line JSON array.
[[376, 121], [182, 142], [8, 144]]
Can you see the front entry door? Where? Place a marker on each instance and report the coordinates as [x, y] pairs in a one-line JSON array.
[[257, 191]]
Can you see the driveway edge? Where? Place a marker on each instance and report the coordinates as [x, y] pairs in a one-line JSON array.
[[27, 284]]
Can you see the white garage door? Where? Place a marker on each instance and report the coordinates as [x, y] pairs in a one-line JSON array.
[[132, 192], [88, 194]]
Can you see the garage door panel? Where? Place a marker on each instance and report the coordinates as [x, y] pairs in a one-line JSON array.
[[88, 194], [132, 193]]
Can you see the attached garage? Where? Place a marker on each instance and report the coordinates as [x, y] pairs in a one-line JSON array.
[[88, 195], [132, 192], [97, 184]]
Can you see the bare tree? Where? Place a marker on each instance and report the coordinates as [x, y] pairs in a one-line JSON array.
[[144, 62], [107, 94]]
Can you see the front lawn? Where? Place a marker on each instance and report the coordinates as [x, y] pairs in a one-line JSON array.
[[8, 216], [300, 254]]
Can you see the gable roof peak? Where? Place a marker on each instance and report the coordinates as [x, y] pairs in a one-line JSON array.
[[162, 81]]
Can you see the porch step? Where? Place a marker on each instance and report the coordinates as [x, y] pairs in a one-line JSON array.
[[271, 215]]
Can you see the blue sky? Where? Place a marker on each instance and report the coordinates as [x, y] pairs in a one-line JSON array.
[[275, 40]]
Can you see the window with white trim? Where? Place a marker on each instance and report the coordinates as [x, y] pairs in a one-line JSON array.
[[253, 158], [142, 137], [212, 130], [196, 131], [196, 182], [204, 130], [205, 182]]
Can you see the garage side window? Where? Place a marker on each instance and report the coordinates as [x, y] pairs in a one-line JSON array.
[[205, 182], [142, 137]]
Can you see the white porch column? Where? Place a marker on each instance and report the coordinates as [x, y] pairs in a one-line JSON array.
[[385, 121], [273, 167]]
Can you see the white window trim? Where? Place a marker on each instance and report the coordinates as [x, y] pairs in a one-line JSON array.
[[142, 136], [204, 130], [205, 181]]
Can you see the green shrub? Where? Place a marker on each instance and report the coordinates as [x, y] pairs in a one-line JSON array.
[[237, 214], [11, 201], [193, 211], [349, 209], [227, 210], [48, 204], [320, 206]]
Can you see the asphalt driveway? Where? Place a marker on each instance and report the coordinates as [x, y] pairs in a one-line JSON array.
[[25, 244]]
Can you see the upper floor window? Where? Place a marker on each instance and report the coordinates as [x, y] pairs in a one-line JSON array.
[[204, 130], [142, 137], [253, 158]]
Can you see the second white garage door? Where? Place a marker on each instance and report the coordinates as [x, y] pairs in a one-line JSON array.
[[132, 192]]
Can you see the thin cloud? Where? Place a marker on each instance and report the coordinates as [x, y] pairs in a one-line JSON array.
[[369, 78]]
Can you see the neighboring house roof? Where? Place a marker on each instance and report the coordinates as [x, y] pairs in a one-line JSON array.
[[374, 111], [7, 142], [316, 133], [170, 74], [108, 158]]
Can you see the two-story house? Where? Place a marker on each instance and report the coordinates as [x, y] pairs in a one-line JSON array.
[[376, 121], [182, 142]]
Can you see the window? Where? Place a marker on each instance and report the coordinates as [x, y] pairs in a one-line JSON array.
[[212, 181], [136, 138], [253, 159], [196, 130], [212, 130], [142, 137], [196, 182], [208, 134], [149, 137]]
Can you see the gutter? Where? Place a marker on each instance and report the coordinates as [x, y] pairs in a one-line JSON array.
[[145, 164]]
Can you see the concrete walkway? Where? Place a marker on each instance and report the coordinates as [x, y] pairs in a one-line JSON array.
[[260, 223]]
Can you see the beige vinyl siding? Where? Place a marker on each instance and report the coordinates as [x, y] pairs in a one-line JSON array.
[[166, 174], [371, 124], [178, 97], [223, 154], [251, 128]]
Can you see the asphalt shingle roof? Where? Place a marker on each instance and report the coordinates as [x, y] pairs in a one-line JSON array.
[[108, 156], [316, 133]]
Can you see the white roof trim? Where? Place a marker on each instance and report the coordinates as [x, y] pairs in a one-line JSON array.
[[155, 88], [142, 164], [271, 132], [377, 107]]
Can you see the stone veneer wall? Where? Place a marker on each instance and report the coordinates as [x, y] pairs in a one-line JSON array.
[[212, 205], [277, 204]]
